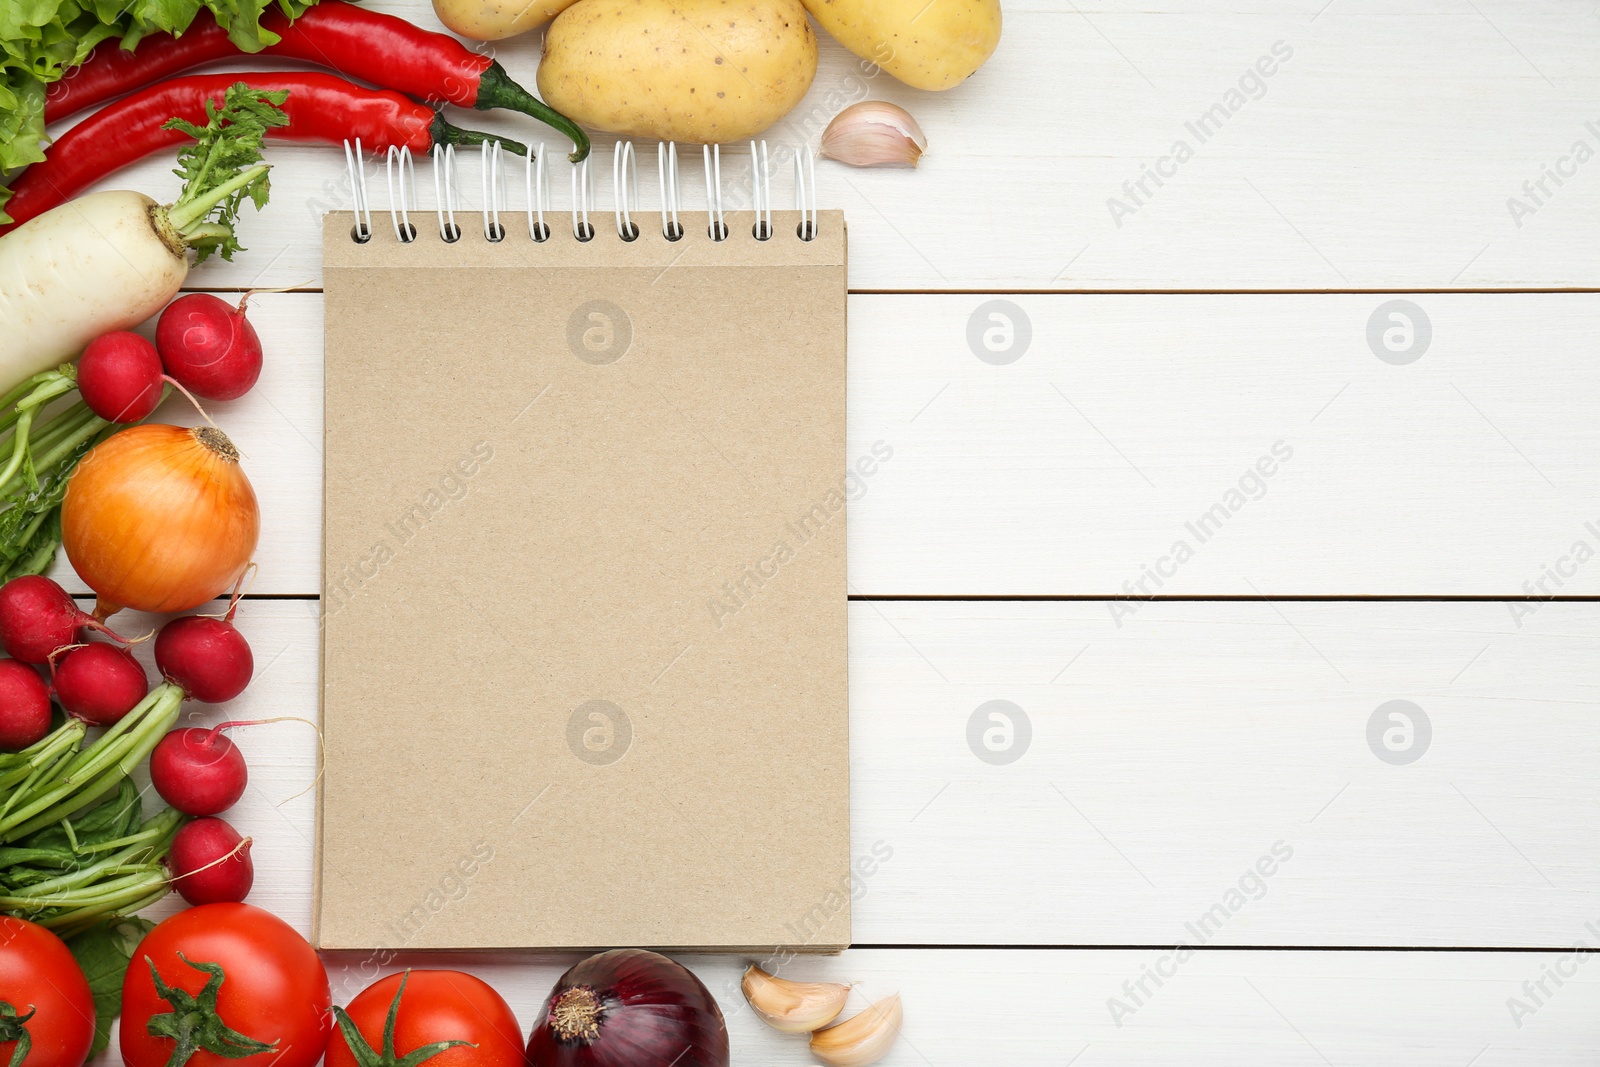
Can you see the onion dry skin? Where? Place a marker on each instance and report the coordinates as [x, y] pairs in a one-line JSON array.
[[629, 1008], [160, 518]]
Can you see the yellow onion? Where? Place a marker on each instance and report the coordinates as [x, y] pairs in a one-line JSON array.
[[160, 518]]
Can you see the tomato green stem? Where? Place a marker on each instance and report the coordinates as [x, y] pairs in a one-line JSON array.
[[12, 1029], [194, 1023], [367, 1056]]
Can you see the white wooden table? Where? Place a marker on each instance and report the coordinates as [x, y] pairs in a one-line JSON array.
[[1416, 540]]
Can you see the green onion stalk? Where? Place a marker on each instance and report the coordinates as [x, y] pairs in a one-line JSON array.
[[38, 452], [75, 848]]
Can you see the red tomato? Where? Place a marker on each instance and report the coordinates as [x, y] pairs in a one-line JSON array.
[[436, 1006], [273, 988], [38, 974]]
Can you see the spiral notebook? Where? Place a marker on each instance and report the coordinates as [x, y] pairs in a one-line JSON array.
[[584, 663]]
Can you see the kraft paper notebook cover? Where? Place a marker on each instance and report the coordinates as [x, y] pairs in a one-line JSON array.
[[584, 661]]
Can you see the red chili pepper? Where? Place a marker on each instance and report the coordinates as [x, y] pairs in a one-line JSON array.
[[321, 108], [366, 45]]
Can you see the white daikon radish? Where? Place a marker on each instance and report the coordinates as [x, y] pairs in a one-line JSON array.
[[95, 264], [108, 261]]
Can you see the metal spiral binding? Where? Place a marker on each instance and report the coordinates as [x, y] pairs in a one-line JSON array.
[[356, 164], [667, 173], [582, 196], [805, 192], [398, 166], [711, 154], [400, 180], [625, 189], [492, 180], [538, 189], [761, 191], [444, 192]]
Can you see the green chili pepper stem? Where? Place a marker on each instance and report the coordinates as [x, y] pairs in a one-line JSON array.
[[496, 89], [443, 133]]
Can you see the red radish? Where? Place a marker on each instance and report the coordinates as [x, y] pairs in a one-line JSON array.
[[209, 347], [211, 863], [208, 658], [99, 683], [37, 617], [24, 706], [120, 376], [199, 771]]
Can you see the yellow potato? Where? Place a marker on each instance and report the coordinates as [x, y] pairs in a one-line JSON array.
[[490, 20], [700, 71], [928, 44]]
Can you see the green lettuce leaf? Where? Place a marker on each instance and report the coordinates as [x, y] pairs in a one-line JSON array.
[[40, 40], [103, 952]]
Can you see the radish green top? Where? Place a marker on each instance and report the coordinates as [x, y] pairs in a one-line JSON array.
[[222, 167]]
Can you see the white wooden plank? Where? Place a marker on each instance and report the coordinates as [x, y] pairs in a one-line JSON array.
[[1076, 467], [1165, 759], [1169, 756], [1045, 1009], [1383, 153], [1128, 419]]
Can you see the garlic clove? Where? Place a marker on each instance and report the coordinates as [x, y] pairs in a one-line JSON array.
[[793, 1007], [874, 133], [860, 1039]]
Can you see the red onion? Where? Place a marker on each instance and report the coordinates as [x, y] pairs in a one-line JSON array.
[[629, 1008]]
